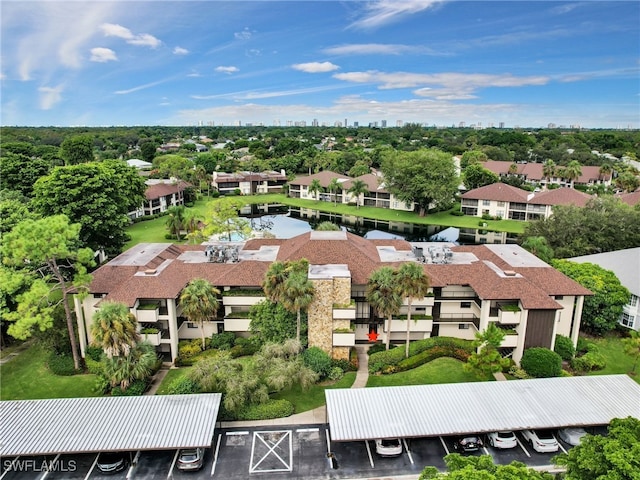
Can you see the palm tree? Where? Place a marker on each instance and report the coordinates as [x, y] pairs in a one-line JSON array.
[[549, 169], [315, 187], [605, 171], [573, 171], [383, 295], [334, 187], [137, 365], [175, 220], [513, 169], [297, 295], [412, 283], [199, 300], [273, 282], [358, 187], [115, 329]]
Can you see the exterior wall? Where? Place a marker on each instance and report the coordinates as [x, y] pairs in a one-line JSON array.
[[320, 315], [453, 330], [631, 313], [565, 316], [540, 328]]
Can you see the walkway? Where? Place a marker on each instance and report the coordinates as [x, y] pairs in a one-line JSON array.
[[317, 415], [156, 380]]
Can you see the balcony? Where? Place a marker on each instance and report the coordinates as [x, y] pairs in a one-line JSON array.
[[510, 340], [236, 324], [344, 312], [242, 297], [419, 323], [509, 314], [344, 339], [147, 312], [427, 301], [151, 335]]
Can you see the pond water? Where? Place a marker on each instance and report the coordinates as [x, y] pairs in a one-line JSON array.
[[287, 222]]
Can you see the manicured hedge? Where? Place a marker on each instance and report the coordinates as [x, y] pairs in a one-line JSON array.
[[388, 361], [564, 347], [541, 362], [266, 411]]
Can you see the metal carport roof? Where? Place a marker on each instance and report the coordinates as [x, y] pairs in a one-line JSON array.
[[456, 408], [75, 425]]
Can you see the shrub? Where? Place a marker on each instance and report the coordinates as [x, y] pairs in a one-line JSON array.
[[223, 341], [518, 372], [335, 373], [593, 360], [93, 366], [344, 365], [135, 389], [381, 361], [266, 411], [183, 385], [61, 365], [457, 213], [188, 348], [378, 347], [541, 362], [431, 354], [583, 345], [317, 360], [564, 347], [93, 352]]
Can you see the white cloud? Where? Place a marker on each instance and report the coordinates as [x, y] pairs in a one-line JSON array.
[[50, 96], [383, 12], [141, 87], [380, 49], [180, 51], [315, 67], [140, 39], [464, 83], [103, 55], [245, 34], [228, 70]]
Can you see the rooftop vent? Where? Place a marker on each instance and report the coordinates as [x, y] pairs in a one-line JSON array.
[[150, 271], [510, 273]]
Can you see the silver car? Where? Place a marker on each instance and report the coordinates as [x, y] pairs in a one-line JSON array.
[[388, 447], [190, 459], [502, 439], [572, 436]]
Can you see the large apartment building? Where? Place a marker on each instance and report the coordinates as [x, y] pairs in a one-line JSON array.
[[471, 286]]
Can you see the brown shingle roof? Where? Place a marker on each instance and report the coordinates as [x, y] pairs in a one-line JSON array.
[[533, 171], [324, 177], [632, 198], [561, 196], [163, 189], [498, 191]]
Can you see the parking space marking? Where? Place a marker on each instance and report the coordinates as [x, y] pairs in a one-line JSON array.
[[328, 441], [215, 455], [486, 452], [366, 442], [10, 469], [523, 447], [231, 434], [93, 465], [173, 465], [408, 451], [44, 475], [265, 438], [560, 446], [307, 430], [444, 444]]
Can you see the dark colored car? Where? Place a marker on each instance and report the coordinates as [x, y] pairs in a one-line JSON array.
[[469, 443], [112, 462], [190, 459]]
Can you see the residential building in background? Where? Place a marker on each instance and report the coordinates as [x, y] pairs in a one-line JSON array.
[[160, 195]]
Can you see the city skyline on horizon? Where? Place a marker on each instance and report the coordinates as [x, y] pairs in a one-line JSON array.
[[332, 63]]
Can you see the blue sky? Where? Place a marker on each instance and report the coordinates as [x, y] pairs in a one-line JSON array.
[[265, 62]]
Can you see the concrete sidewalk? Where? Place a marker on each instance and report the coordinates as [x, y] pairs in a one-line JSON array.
[[317, 415]]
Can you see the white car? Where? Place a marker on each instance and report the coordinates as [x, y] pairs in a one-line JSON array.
[[542, 441], [388, 447], [572, 436], [502, 439]]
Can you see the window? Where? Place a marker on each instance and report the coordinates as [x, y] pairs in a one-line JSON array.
[[486, 203], [633, 301], [627, 320], [463, 326], [501, 204], [559, 297], [465, 304], [191, 325]]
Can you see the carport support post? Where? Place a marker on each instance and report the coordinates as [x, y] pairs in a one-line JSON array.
[[134, 465]]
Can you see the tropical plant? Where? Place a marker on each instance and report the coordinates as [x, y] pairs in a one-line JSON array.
[[199, 300], [384, 296], [357, 188], [549, 169], [114, 329], [137, 365], [486, 359], [327, 227], [539, 247], [572, 171], [315, 187], [297, 295], [175, 220], [334, 188], [631, 346], [412, 283]]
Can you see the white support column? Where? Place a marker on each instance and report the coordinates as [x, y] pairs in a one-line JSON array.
[[173, 327], [577, 315], [80, 321]]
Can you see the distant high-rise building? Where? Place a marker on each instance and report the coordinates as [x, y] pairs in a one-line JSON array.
[[399, 123], [501, 125], [314, 123], [383, 124], [345, 122], [356, 124], [461, 125]]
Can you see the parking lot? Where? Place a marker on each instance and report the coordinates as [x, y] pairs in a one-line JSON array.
[[296, 452]]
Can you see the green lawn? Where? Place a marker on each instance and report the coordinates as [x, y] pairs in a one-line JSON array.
[[26, 377], [172, 375], [617, 361], [440, 370], [154, 230], [314, 397]]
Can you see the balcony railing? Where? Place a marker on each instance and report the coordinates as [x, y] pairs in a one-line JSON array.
[[344, 313], [458, 318], [344, 339], [147, 313]]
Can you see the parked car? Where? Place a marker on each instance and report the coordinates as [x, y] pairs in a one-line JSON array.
[[542, 441], [388, 447], [112, 462], [502, 439], [469, 443], [572, 435], [190, 459]]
